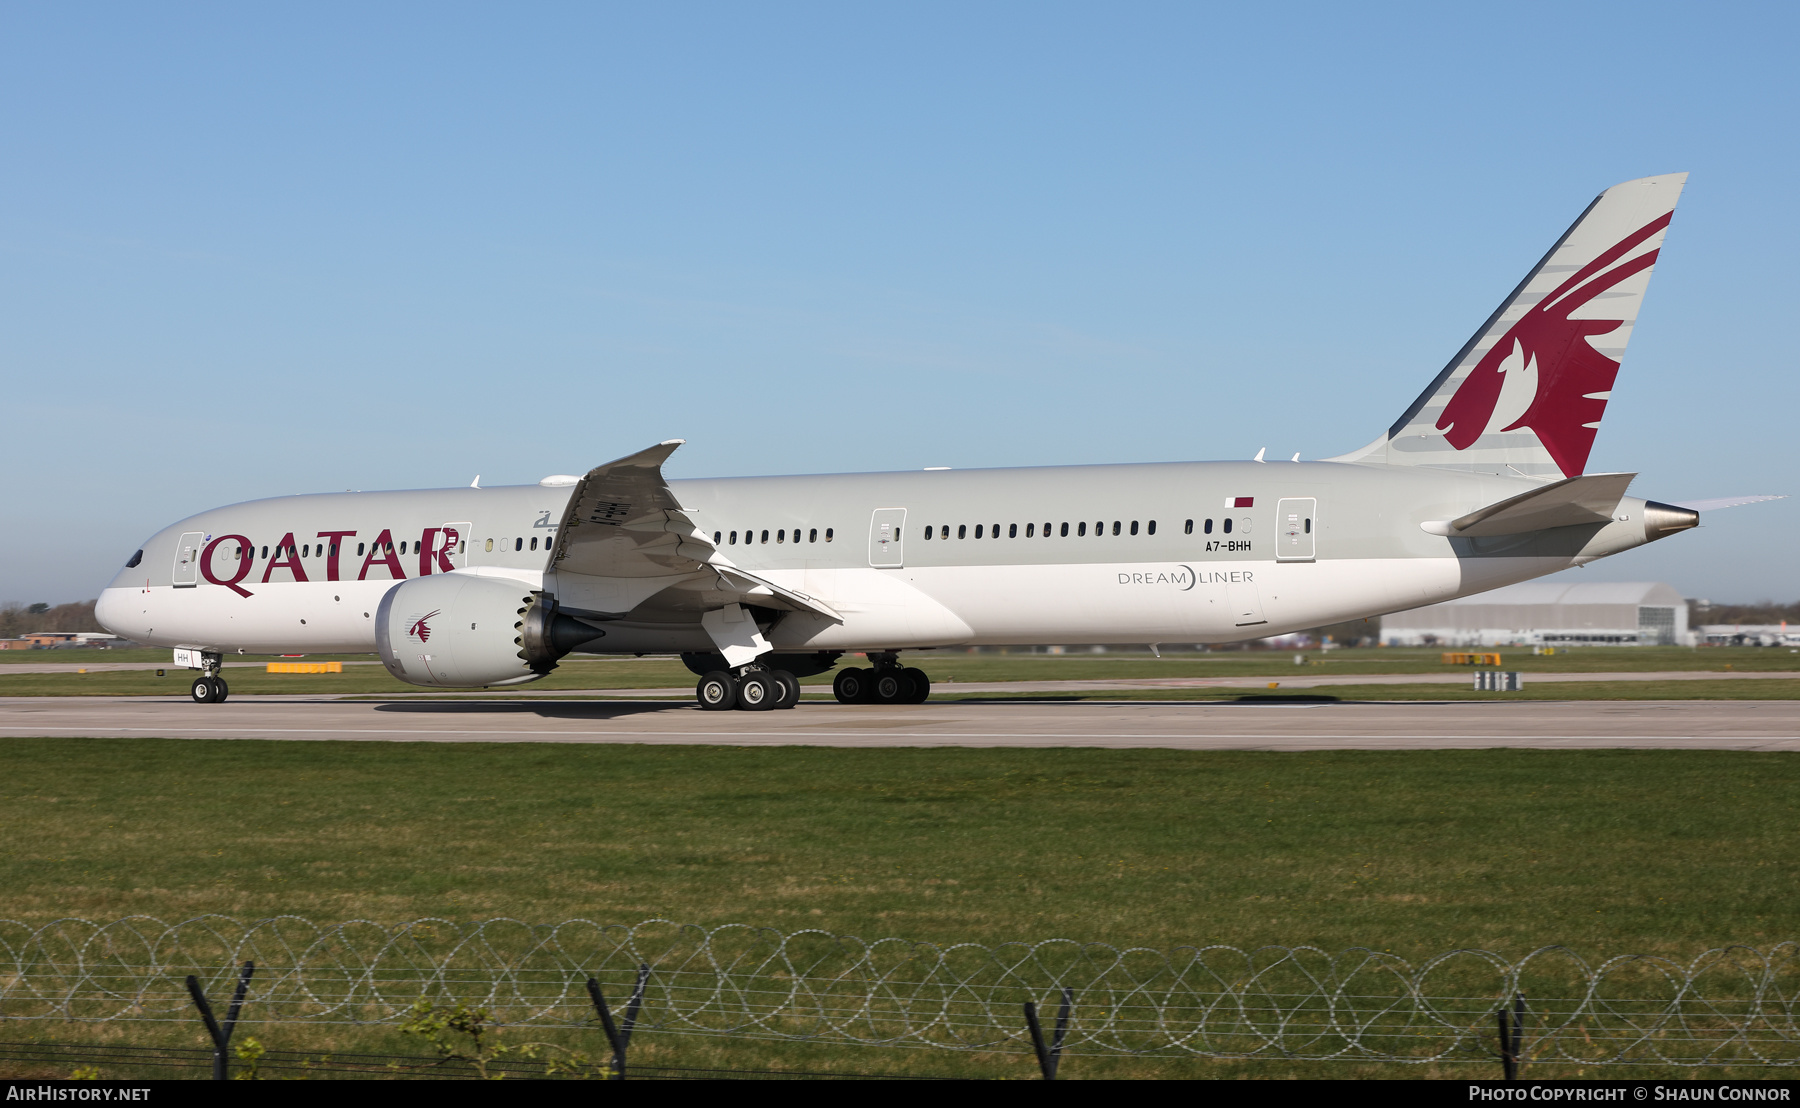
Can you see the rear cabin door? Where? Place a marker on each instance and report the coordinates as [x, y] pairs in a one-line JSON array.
[[187, 559], [887, 534], [1294, 529]]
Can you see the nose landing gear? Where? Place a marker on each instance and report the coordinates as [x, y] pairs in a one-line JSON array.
[[209, 687]]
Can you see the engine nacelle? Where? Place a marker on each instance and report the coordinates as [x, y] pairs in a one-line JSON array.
[[457, 630]]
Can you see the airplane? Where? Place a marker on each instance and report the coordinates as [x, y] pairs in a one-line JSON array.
[[758, 581]]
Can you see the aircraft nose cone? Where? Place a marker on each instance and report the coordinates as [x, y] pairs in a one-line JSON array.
[[1663, 520], [114, 612]]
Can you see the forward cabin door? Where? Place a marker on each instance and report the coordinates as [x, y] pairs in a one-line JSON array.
[[887, 534], [187, 559], [456, 543], [1294, 529]]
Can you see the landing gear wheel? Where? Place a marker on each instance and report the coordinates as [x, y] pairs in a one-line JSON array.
[[717, 692], [758, 692], [893, 687], [789, 687], [852, 686], [220, 690], [921, 685], [203, 691]]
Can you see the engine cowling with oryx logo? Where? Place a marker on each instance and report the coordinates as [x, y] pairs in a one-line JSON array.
[[457, 630]]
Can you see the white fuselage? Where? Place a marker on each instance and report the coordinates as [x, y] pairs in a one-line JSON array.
[[1133, 554]]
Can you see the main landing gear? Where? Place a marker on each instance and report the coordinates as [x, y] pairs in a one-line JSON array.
[[209, 687], [752, 690], [887, 683]]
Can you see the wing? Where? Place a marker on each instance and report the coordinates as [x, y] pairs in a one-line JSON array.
[[625, 538]]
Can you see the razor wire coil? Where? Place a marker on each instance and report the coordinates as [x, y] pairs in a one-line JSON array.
[[1732, 1005]]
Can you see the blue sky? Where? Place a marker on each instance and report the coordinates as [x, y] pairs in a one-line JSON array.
[[250, 250]]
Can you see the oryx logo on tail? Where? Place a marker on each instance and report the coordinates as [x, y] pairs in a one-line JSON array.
[[1525, 395], [1544, 373]]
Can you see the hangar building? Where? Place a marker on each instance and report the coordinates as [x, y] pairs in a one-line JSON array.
[[1548, 613]]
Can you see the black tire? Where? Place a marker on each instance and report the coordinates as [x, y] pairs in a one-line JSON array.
[[202, 691], [921, 685], [893, 686], [220, 690], [717, 692], [789, 686], [758, 692], [851, 686]]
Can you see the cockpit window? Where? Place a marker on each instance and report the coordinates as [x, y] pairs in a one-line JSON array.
[[135, 559]]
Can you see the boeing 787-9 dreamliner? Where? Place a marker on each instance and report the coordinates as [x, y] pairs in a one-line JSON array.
[[758, 581]]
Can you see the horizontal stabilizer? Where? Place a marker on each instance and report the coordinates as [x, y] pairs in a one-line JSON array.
[[1722, 502], [1591, 498]]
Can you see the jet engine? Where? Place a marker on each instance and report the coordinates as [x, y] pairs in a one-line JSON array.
[[462, 631]]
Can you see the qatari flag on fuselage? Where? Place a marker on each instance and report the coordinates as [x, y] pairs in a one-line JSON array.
[[1240, 502]]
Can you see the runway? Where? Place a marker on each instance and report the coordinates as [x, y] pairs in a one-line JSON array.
[[1544, 725]]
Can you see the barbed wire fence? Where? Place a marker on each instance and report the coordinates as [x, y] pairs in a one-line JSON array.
[[1729, 1006]]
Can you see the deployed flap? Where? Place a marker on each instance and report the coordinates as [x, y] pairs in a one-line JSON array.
[[624, 538], [1588, 499]]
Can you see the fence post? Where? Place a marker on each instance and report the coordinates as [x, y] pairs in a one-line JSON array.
[[1049, 1056], [619, 1038], [221, 1037], [1512, 1036]]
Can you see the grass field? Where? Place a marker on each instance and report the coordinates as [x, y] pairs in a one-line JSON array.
[[1609, 852]]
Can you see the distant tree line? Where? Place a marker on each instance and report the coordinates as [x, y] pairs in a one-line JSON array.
[[1764, 611], [24, 619]]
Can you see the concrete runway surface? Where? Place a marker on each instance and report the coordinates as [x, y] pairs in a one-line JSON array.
[[1711, 725]]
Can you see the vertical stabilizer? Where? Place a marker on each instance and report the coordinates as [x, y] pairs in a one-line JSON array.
[[1526, 394]]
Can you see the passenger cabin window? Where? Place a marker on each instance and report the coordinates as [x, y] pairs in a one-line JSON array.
[[1030, 530], [518, 544], [733, 540], [1209, 526], [827, 534], [812, 535], [1116, 527], [1065, 530], [928, 534], [1134, 526], [765, 537], [781, 535], [962, 530], [718, 537], [1189, 529], [1228, 526], [533, 543], [978, 530], [1150, 529], [1080, 529]]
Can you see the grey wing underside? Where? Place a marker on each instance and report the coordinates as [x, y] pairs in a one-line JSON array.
[[627, 546]]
